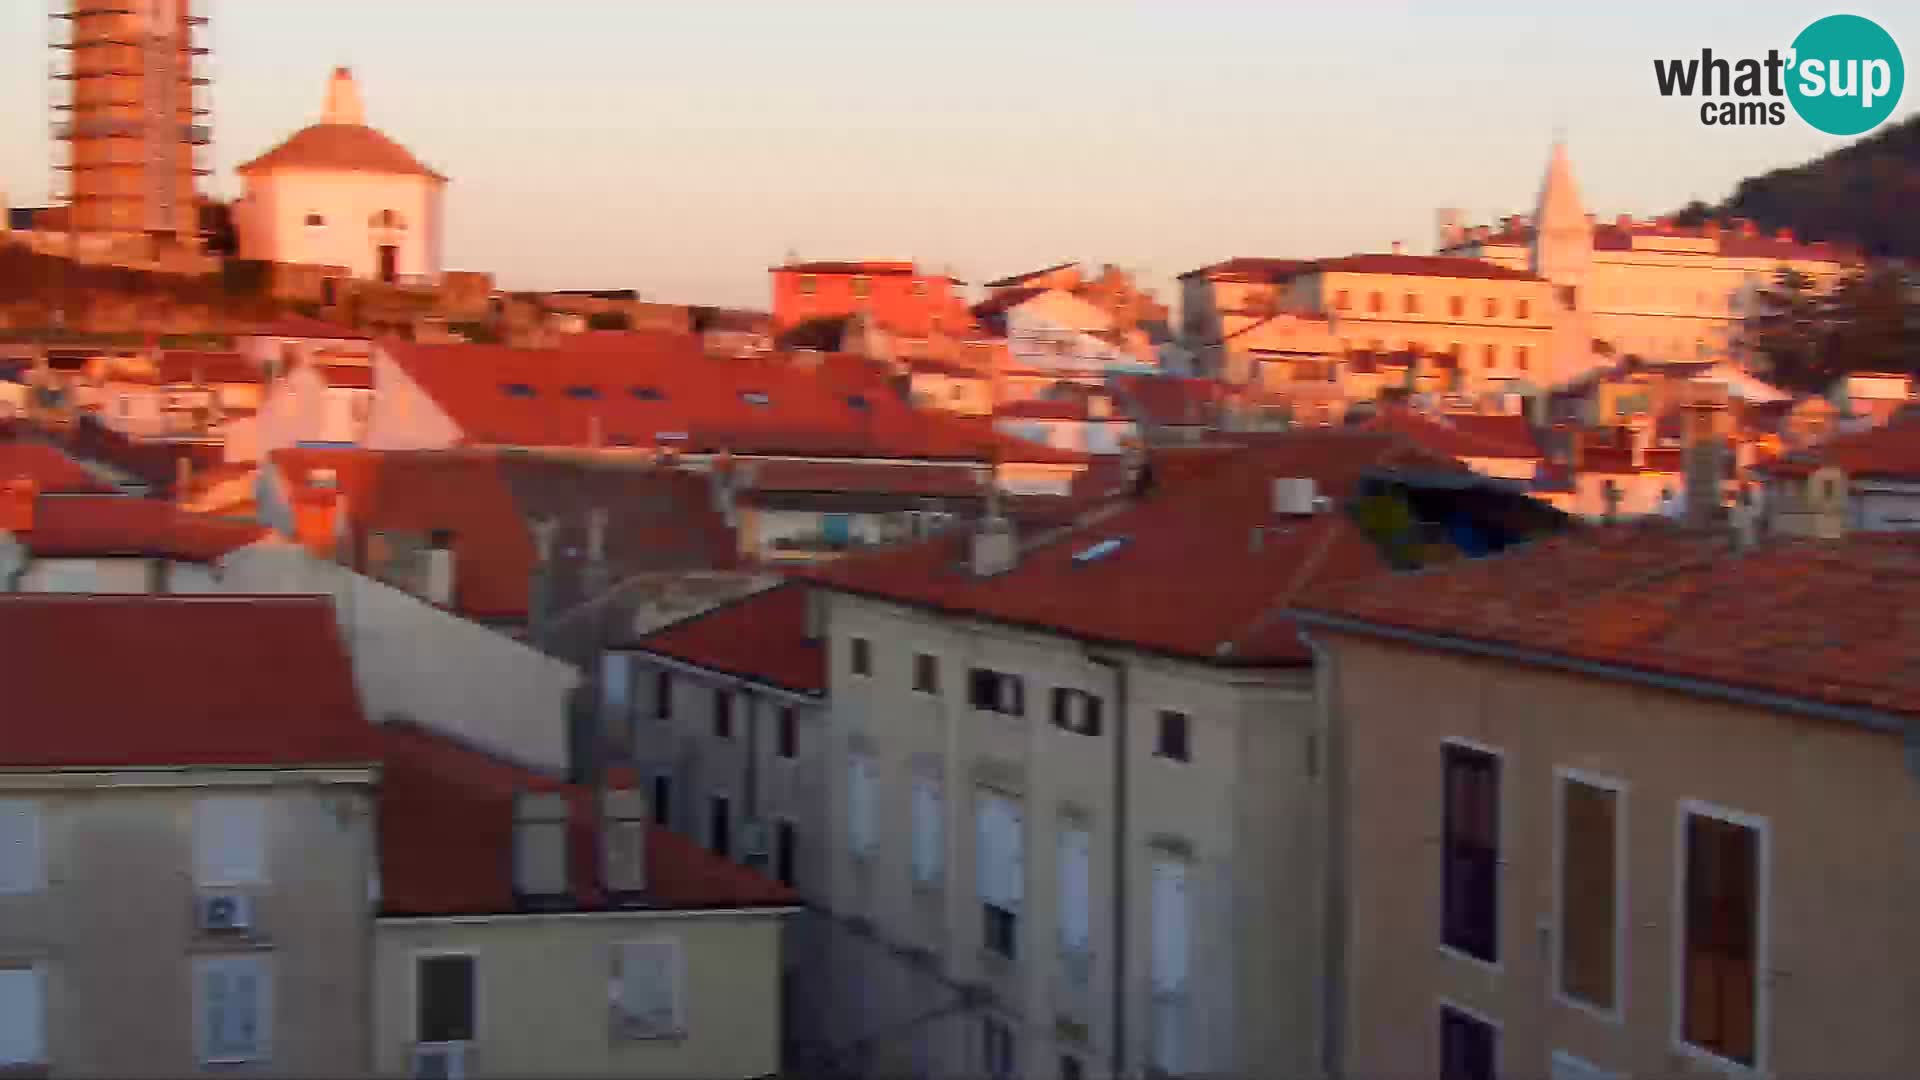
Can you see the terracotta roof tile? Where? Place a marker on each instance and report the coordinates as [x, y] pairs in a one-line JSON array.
[[762, 637], [1016, 279], [299, 326], [1882, 453], [186, 366], [342, 148], [50, 470], [1186, 577], [106, 526], [1167, 400], [1821, 621], [1459, 435], [126, 681], [953, 481], [446, 839], [1252, 269]]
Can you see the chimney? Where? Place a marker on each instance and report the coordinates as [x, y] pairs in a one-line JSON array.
[[540, 847], [1399, 248], [1705, 473], [994, 549], [1295, 496], [1642, 436], [438, 580], [16, 508], [623, 835]]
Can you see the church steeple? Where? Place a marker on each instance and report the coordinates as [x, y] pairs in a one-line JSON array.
[[1559, 205], [343, 100], [1562, 233]]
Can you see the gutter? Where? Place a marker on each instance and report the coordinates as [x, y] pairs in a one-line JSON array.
[[745, 683], [1875, 720]]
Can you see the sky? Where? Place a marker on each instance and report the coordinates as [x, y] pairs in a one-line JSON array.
[[682, 148]]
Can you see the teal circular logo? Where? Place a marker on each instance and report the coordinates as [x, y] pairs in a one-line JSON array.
[[1846, 74]]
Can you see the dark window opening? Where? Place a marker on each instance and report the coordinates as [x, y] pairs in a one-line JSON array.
[[723, 714], [1470, 852], [445, 1008], [663, 695], [786, 842], [1722, 923], [1173, 734], [861, 656], [720, 826], [1467, 1046], [663, 801], [926, 673], [1002, 930], [789, 733], [1076, 711], [995, 691]]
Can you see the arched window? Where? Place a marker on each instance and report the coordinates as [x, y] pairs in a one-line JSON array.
[[387, 219]]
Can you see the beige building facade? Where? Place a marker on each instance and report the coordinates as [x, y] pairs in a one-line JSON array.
[[1138, 894]]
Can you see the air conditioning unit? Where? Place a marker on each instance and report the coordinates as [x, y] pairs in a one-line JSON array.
[[226, 912], [440, 1061]]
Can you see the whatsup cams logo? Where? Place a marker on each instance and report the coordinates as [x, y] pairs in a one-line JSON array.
[[1843, 75]]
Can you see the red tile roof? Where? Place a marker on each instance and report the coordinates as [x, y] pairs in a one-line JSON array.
[[446, 839], [187, 366], [1252, 269], [156, 681], [1822, 621], [109, 526], [1733, 242], [1459, 435], [947, 368], [999, 302], [1050, 409], [50, 470], [1448, 266], [1008, 282], [868, 268], [1188, 578], [340, 148], [867, 477], [1886, 453], [1166, 400], [762, 637], [663, 389]]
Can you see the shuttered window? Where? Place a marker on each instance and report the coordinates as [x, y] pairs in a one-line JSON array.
[[1470, 851], [234, 1008], [23, 1017], [22, 855], [929, 830], [1170, 958], [230, 840], [1076, 936], [862, 779], [1720, 956], [647, 990], [1000, 871], [1589, 879]]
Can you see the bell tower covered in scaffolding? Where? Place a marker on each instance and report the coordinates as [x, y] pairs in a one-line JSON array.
[[130, 113]]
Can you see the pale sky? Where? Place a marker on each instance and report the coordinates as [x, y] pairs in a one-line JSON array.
[[682, 148]]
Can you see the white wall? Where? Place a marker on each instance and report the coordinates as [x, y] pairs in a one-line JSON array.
[[275, 208], [409, 657]]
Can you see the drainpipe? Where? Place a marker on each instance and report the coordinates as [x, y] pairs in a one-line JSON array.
[[1120, 847]]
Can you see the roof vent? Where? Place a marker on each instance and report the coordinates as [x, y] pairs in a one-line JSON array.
[[994, 547], [1296, 495]]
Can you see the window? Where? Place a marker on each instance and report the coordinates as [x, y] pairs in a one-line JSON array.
[[1467, 1046], [445, 1009], [1520, 357], [1492, 307], [1590, 828], [919, 287], [808, 283], [22, 858], [230, 840], [1076, 711], [663, 695], [926, 673], [788, 741], [1470, 851], [1342, 301], [861, 287], [996, 691], [1492, 353], [862, 779], [723, 714], [1411, 302], [1457, 306], [720, 825], [233, 1008], [386, 219], [1076, 935], [1171, 741], [860, 656], [663, 800], [316, 221], [1169, 961], [1521, 309], [929, 830], [23, 1017], [786, 843], [648, 980], [997, 1048], [1070, 1068], [1723, 859], [1000, 871], [1374, 302]]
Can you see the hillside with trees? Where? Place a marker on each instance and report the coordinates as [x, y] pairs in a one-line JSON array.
[[1863, 195]]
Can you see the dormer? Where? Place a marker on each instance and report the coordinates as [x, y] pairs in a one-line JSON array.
[[540, 878]]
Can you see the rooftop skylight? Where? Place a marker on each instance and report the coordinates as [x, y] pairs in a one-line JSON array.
[[583, 393], [519, 389], [755, 397], [646, 393], [1100, 550]]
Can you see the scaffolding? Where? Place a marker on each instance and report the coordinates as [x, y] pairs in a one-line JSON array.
[[130, 108]]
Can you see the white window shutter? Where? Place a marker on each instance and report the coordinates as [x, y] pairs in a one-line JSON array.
[[1075, 865], [236, 1009], [860, 796], [22, 1017], [229, 840], [927, 832], [1015, 858], [986, 847], [21, 850], [647, 991], [1171, 934]]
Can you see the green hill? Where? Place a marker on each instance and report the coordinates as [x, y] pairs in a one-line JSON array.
[[1863, 194]]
